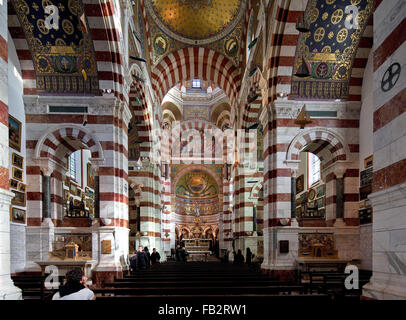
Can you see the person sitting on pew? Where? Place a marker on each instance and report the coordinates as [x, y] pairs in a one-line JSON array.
[[239, 258], [142, 259], [75, 287], [155, 257]]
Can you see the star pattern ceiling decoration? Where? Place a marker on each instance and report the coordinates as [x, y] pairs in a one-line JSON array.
[[59, 54], [196, 22], [329, 48]]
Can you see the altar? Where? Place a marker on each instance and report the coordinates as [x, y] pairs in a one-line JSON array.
[[198, 249]]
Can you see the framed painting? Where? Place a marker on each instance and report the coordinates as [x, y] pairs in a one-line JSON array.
[[19, 199], [300, 184], [320, 202], [17, 160], [321, 190], [312, 194], [21, 187], [106, 247], [90, 176], [369, 162], [65, 194], [73, 189], [18, 215], [14, 133], [17, 174], [13, 184]]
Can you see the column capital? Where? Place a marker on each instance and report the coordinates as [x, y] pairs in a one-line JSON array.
[[293, 165], [96, 164], [339, 171]]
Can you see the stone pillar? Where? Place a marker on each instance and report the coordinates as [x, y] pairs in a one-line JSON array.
[[7, 289], [46, 196], [96, 192], [294, 167], [339, 174]]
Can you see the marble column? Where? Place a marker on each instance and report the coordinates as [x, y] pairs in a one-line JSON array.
[[7, 289], [339, 174], [46, 196]]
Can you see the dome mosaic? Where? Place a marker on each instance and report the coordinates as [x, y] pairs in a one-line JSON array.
[[196, 21]]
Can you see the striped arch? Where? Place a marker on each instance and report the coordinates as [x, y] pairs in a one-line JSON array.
[[62, 140], [251, 110], [106, 38], [196, 62], [255, 190], [328, 145], [142, 117]]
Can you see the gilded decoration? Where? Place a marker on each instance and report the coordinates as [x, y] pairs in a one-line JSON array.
[[62, 52], [329, 48], [196, 194], [196, 21], [163, 43]]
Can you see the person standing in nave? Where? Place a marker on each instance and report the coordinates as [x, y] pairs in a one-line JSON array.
[[178, 253], [142, 259], [155, 256], [239, 258], [148, 256], [184, 254], [133, 261], [249, 256]]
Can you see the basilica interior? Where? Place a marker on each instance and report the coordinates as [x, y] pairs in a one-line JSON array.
[[273, 125]]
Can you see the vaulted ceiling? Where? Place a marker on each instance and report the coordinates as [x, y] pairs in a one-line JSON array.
[[62, 52]]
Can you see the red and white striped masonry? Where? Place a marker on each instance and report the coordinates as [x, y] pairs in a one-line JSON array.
[[23, 51], [196, 62], [4, 164], [106, 37], [142, 117], [66, 135], [389, 114], [282, 142], [251, 111]]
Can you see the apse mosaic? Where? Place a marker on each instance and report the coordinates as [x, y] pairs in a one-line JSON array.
[[197, 194], [329, 48], [196, 184], [61, 48]]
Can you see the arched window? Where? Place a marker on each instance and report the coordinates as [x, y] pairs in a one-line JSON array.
[[314, 168], [73, 165]]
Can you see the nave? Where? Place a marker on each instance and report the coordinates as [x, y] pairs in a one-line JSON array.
[[191, 281]]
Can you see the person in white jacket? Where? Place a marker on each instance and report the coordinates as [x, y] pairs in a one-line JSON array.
[[75, 287]]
